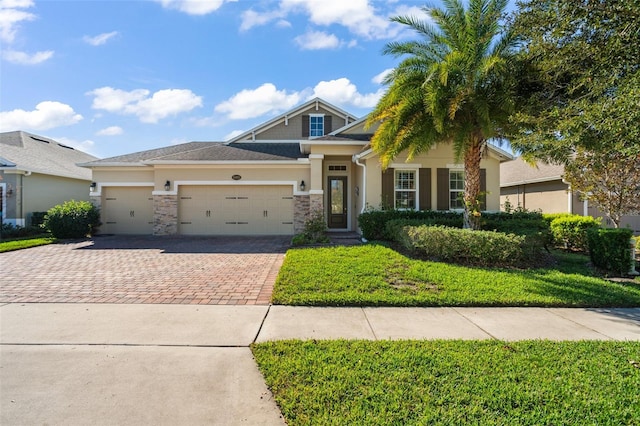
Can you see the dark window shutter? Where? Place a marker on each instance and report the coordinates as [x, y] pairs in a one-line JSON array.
[[483, 188], [443, 189], [388, 189], [424, 176], [327, 124], [305, 126]]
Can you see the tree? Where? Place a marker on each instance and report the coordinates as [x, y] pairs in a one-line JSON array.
[[610, 180], [454, 85], [579, 79]]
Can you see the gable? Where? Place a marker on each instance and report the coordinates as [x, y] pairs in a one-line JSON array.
[[295, 124]]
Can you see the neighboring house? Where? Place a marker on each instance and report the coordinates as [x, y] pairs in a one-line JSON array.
[[37, 173], [268, 179], [541, 187]]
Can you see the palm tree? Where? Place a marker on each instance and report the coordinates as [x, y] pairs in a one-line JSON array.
[[453, 85]]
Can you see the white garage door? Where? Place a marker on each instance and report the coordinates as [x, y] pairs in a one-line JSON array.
[[127, 210], [235, 210]]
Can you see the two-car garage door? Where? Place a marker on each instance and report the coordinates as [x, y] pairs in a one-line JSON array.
[[235, 210]]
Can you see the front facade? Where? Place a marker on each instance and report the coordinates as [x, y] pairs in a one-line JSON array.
[[268, 180], [37, 173], [542, 188]]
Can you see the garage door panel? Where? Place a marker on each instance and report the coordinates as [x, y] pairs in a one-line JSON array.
[[127, 210], [236, 210]]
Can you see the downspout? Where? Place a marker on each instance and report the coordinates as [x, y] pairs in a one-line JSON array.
[[356, 159]]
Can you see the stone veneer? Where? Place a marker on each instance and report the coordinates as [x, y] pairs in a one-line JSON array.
[[165, 214], [300, 212], [316, 202]]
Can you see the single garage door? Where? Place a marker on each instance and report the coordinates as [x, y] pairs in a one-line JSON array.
[[235, 210], [127, 210]]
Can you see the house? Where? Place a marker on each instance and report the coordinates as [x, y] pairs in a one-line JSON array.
[[37, 173], [267, 180], [541, 187]]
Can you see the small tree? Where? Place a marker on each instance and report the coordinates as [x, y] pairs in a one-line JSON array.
[[72, 219], [608, 179]]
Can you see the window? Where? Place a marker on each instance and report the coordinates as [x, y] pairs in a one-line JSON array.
[[456, 189], [337, 168], [405, 189], [316, 125]]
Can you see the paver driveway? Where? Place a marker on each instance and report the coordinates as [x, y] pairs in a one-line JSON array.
[[119, 269]]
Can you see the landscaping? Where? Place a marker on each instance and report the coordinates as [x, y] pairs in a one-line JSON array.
[[26, 242], [453, 382], [376, 275]]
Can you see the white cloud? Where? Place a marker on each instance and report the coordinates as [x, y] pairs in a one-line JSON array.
[[379, 78], [343, 92], [11, 16], [251, 18], [100, 39], [161, 104], [110, 131], [315, 40], [24, 58], [194, 7], [250, 103], [47, 115]]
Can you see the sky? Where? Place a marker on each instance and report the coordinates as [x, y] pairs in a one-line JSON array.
[[116, 77]]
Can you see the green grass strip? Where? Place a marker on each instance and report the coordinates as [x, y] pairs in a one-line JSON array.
[[374, 275], [24, 243], [453, 382]]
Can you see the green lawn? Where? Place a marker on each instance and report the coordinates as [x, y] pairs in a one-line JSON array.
[[453, 382], [375, 275], [22, 243]]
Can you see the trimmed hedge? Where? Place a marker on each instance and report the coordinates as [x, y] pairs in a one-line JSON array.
[[609, 249], [571, 231], [72, 219], [372, 223], [480, 248]]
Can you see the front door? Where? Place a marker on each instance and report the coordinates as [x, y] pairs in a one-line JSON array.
[[337, 202]]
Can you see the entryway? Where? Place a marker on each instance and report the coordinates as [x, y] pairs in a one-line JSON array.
[[337, 204]]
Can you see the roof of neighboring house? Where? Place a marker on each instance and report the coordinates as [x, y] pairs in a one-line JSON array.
[[518, 172], [24, 151], [207, 151]]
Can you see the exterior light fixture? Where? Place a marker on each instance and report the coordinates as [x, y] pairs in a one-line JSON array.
[[302, 186], [93, 186], [167, 185]]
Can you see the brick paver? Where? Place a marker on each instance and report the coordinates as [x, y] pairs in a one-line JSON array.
[[175, 270]]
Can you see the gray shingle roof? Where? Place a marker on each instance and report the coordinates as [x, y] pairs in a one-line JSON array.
[[518, 172], [209, 151], [42, 155]]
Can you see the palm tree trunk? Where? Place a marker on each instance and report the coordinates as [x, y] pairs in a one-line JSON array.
[[472, 158]]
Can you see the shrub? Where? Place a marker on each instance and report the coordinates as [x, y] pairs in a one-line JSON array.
[[72, 219], [482, 248], [571, 231], [37, 218], [12, 231], [315, 229], [609, 249], [373, 222]]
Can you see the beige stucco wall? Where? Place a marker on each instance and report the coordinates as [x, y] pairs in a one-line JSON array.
[[439, 157], [123, 174], [41, 192], [549, 197]]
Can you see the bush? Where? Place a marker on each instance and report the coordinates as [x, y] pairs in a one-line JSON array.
[[571, 231], [373, 222], [481, 248], [315, 229], [609, 249], [72, 219], [11, 231], [37, 218]]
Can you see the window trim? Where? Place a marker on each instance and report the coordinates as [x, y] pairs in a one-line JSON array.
[[311, 117], [459, 191], [415, 190]]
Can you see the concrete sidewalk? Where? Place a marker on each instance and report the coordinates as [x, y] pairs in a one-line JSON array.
[[186, 364]]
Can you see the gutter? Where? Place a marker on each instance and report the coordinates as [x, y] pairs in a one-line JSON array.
[[356, 159]]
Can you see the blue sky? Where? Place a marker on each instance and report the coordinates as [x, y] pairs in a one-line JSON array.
[[114, 77]]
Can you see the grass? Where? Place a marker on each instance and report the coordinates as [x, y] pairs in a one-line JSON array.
[[23, 243], [453, 382], [375, 275]]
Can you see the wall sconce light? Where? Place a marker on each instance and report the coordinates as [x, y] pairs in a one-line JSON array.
[[9, 191], [357, 191], [302, 186], [167, 186], [93, 186]]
